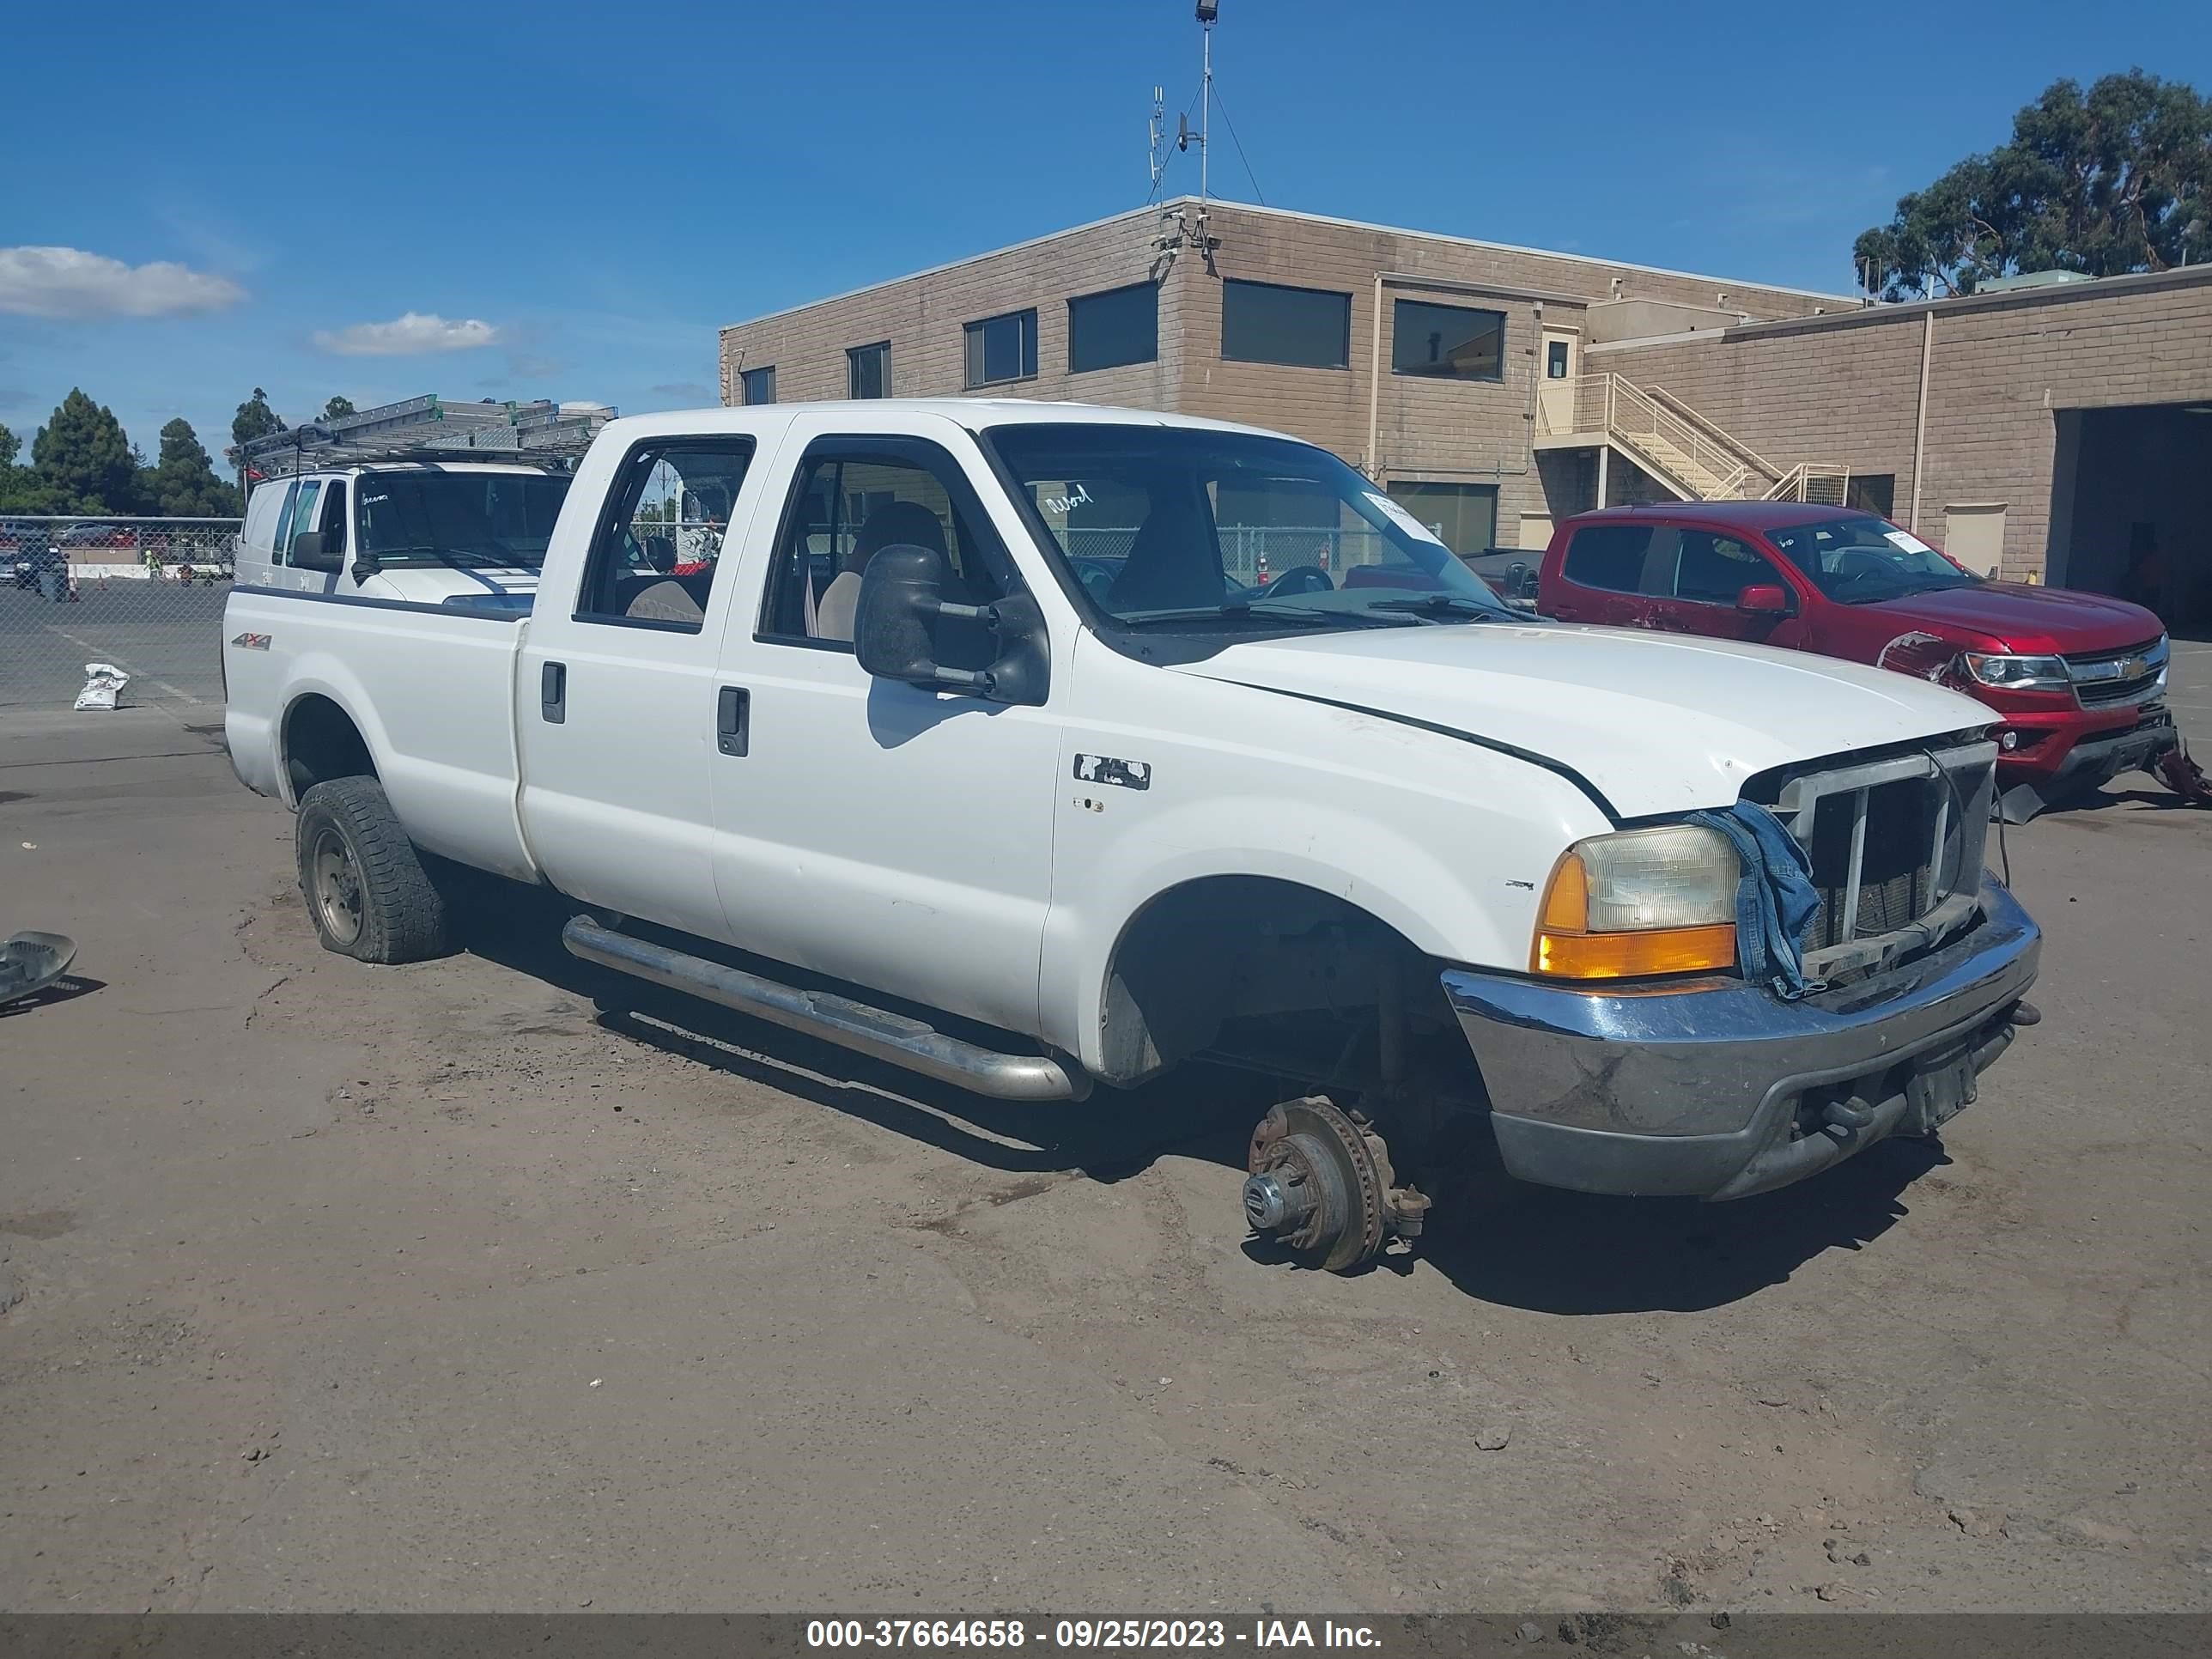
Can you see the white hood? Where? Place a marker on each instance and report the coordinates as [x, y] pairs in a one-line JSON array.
[[1656, 722]]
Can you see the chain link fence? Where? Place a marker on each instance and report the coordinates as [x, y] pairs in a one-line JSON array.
[[144, 594]]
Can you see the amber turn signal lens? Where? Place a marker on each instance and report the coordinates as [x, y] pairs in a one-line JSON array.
[[1626, 956]]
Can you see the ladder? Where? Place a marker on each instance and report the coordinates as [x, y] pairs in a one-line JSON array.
[[428, 429]]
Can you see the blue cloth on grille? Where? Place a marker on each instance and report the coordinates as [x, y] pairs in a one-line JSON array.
[[1775, 898]]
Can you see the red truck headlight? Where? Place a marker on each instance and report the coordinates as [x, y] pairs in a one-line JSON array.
[[2009, 673]]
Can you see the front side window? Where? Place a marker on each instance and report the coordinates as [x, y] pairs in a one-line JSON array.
[[302, 509], [333, 525], [1863, 560], [658, 548], [468, 520], [1714, 569], [1608, 556], [853, 499], [868, 371], [1447, 343], [759, 386], [1109, 330], [1463, 516], [1002, 349], [281, 542], [1302, 327], [1178, 527]]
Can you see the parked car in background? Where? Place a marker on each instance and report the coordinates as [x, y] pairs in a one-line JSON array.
[[34, 556], [412, 531], [88, 536], [1511, 572], [2077, 678]]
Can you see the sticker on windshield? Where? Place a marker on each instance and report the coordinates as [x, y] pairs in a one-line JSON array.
[[1405, 521], [1908, 541]]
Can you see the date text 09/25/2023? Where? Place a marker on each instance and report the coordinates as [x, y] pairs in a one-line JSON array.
[[1164, 1634]]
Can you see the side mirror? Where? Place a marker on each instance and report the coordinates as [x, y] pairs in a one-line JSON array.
[[308, 553], [894, 630], [1763, 599]]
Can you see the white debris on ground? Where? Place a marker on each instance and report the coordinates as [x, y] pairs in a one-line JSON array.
[[103, 685]]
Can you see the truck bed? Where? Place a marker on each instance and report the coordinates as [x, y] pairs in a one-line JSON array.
[[441, 718]]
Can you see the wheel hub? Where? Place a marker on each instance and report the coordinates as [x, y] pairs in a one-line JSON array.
[[337, 887], [1320, 1183]]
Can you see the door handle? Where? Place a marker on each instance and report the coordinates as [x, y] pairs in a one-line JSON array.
[[733, 709], [553, 692]]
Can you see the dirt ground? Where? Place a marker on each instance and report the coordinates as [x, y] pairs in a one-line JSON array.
[[337, 1287]]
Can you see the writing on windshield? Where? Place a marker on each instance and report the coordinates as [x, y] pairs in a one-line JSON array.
[[1863, 560]]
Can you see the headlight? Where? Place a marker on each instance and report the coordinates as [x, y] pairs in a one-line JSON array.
[[1641, 902], [2002, 673]]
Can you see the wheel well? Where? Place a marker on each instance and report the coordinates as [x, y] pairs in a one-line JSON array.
[[1298, 973], [321, 742]]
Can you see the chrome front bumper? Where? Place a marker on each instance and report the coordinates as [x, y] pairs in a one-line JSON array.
[[1714, 1088]]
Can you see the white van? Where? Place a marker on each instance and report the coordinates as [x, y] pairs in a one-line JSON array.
[[424, 532]]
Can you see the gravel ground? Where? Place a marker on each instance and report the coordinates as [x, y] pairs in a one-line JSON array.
[[429, 1288]]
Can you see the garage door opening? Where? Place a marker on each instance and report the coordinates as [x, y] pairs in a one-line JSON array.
[[2131, 508]]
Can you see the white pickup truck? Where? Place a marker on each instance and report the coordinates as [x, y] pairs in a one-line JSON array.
[[958, 743]]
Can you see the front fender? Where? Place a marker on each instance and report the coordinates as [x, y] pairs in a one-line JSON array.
[[1445, 841]]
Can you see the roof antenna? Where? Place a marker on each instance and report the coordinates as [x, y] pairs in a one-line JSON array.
[[1155, 129], [1208, 12]]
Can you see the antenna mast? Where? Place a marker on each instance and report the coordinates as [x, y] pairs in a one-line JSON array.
[[1154, 127], [1208, 10]]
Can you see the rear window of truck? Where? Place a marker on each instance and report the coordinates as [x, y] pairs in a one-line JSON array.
[[1608, 556]]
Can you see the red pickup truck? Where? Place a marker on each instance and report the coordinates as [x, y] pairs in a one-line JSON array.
[[2078, 677]]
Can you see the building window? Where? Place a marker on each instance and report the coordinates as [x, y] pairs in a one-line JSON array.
[[1447, 343], [1267, 323], [1002, 349], [1463, 516], [868, 371], [1872, 492], [1555, 360], [1121, 326], [759, 386]]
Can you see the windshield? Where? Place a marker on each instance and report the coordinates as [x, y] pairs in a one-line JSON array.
[[1172, 525], [459, 518], [1865, 560]]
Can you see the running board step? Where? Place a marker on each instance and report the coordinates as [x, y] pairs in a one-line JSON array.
[[854, 1025]]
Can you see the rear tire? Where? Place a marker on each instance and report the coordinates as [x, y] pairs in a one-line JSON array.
[[366, 890]]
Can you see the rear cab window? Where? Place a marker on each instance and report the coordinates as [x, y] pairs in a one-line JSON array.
[[658, 549], [1608, 557]]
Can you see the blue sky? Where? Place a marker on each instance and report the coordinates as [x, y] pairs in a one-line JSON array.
[[560, 200]]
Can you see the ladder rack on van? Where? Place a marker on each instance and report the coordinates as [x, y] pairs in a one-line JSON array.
[[427, 428]]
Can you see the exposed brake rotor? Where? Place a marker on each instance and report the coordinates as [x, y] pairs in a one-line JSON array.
[[1321, 1185]]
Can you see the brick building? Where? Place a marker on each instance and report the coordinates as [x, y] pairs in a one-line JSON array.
[[2046, 430]]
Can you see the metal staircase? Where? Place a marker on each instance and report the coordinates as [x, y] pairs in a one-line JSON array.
[[1685, 454]]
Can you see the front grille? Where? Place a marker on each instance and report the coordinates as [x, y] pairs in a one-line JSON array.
[[1895, 846], [1897, 877], [2108, 680]]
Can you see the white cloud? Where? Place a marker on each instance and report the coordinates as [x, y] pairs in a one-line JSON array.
[[68, 281], [408, 336]]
